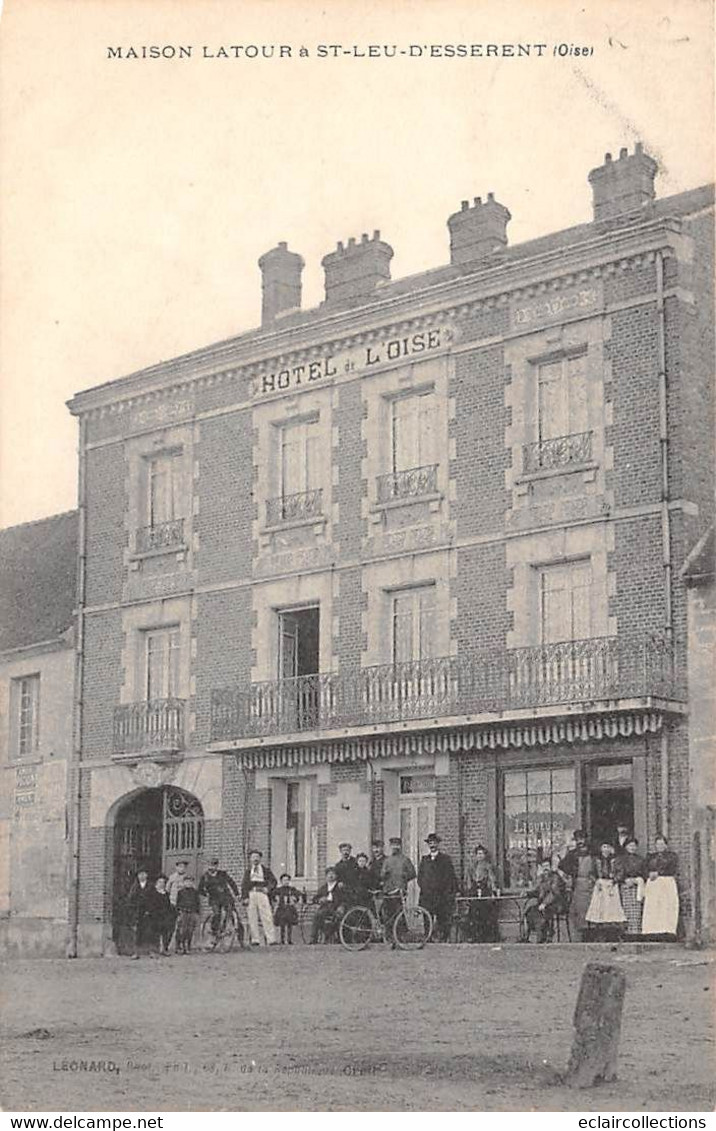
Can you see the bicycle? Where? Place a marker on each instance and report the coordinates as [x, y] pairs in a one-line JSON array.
[[410, 927], [230, 929]]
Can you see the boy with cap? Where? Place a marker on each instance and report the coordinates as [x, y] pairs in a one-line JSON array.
[[176, 880], [438, 885]]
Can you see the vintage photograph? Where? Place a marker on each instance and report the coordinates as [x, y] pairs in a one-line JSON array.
[[357, 606]]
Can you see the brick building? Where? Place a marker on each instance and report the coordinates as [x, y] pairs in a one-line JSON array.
[[408, 560], [38, 571]]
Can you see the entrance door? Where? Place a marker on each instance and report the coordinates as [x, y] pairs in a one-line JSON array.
[[417, 813], [298, 664], [183, 832], [609, 808]]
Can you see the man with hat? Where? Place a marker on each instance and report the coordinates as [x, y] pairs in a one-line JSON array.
[[176, 881], [257, 887], [347, 870], [375, 868], [396, 874], [220, 889], [438, 885], [621, 840]]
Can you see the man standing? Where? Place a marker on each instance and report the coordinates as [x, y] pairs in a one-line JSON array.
[[375, 868], [438, 885], [621, 840], [220, 889], [256, 888], [347, 870], [176, 881], [396, 874], [140, 903]]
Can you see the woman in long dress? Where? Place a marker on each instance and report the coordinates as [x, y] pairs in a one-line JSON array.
[[578, 865], [605, 914], [630, 874], [661, 895]]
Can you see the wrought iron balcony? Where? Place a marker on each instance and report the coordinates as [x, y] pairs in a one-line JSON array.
[[410, 484], [559, 451], [155, 725], [293, 508], [161, 536], [575, 672]]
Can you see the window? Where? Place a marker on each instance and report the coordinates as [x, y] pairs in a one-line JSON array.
[[26, 709], [301, 828], [163, 488], [540, 814], [413, 624], [161, 679], [298, 471], [565, 602], [562, 398], [413, 432]]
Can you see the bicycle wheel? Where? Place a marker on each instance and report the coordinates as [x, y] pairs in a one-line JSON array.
[[208, 941], [412, 928], [227, 934], [356, 929]]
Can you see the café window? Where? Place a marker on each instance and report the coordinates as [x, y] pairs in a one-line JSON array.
[[540, 815]]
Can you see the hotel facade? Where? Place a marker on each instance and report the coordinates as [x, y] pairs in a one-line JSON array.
[[407, 561]]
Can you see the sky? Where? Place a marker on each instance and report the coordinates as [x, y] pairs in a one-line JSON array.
[[138, 194]]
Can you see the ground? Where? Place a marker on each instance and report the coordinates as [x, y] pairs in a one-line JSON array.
[[449, 1028]]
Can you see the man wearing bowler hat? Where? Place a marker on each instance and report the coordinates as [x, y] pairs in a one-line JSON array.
[[438, 884]]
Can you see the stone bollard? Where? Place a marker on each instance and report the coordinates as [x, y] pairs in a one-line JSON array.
[[597, 1026]]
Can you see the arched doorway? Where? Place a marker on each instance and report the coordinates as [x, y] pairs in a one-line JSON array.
[[153, 829]]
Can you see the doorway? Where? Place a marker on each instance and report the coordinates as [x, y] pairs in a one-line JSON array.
[[416, 812], [298, 665], [609, 808], [153, 830]]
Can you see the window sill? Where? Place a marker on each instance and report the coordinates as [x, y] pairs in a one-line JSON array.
[[318, 520], [434, 499], [552, 472], [180, 551]]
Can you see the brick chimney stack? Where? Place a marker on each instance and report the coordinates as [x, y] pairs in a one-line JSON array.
[[280, 282], [477, 232], [624, 187], [354, 271]]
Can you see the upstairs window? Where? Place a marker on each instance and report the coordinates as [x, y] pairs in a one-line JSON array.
[[413, 624], [26, 709], [163, 488], [161, 671], [413, 432], [565, 602], [298, 471], [562, 398]]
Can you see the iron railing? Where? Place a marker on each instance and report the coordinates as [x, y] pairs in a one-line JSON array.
[[161, 536], [410, 484], [293, 508], [154, 725], [574, 672], [559, 451]]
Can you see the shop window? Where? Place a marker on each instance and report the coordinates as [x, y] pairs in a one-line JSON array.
[[540, 815], [26, 712]]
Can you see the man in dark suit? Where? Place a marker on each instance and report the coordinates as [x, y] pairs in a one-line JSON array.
[[140, 905], [621, 840], [332, 901], [347, 870], [438, 884]]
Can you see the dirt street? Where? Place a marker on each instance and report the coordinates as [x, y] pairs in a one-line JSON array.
[[446, 1028]]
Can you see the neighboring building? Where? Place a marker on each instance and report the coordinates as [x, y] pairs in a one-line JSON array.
[[699, 573], [409, 560], [38, 574]]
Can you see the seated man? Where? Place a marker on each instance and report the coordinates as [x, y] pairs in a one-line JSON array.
[[332, 905], [545, 901]]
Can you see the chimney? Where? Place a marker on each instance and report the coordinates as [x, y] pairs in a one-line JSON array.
[[354, 271], [624, 187], [477, 232], [280, 282]]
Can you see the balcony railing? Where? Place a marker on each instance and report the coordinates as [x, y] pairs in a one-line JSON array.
[[574, 672], [559, 451], [293, 508], [410, 484], [161, 536], [155, 725]]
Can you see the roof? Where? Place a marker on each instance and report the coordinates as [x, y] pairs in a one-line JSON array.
[[680, 205], [38, 580], [700, 565]]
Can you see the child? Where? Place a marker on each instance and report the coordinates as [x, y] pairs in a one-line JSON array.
[[163, 914], [285, 915], [188, 914]]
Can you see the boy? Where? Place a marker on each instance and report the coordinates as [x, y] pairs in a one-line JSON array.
[[188, 914], [285, 914]]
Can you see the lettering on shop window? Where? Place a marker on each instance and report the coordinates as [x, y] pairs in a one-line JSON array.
[[352, 361]]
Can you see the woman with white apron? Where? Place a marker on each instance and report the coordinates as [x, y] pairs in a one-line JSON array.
[[661, 895]]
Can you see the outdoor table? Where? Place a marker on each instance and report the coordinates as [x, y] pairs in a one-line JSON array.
[[516, 900]]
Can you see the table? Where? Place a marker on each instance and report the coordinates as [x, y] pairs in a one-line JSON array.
[[463, 904]]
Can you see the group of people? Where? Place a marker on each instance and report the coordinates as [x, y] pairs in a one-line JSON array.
[[609, 894]]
